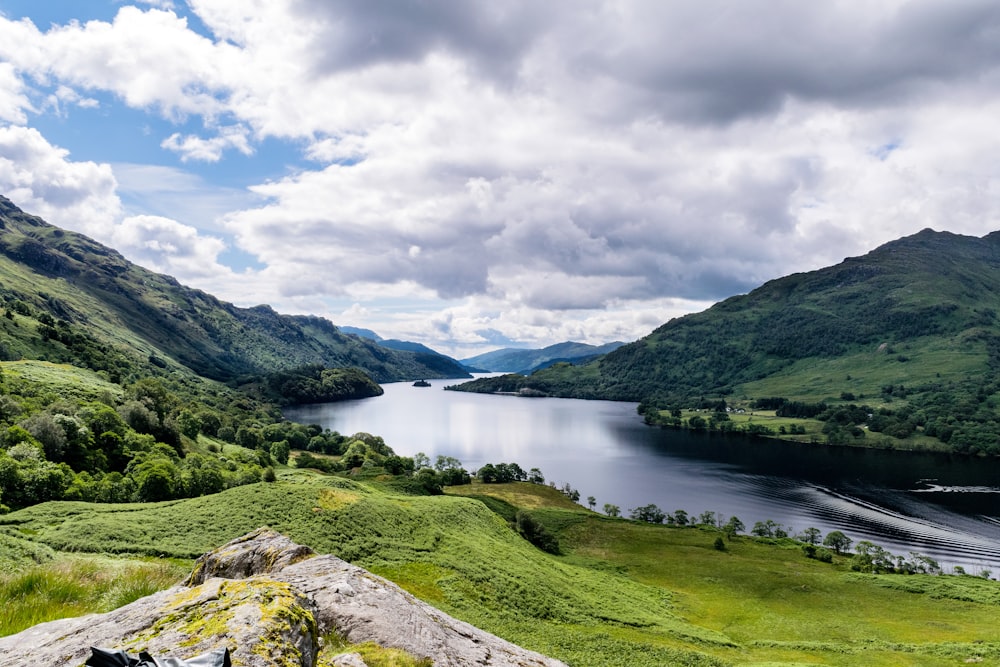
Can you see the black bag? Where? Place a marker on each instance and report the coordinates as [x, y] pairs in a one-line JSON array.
[[103, 657]]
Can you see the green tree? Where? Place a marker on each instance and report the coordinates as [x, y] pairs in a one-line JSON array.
[[397, 465], [533, 531], [810, 535], [733, 527], [280, 451], [189, 424], [649, 513], [837, 541], [44, 428], [249, 437], [591, 502], [156, 478], [612, 510]]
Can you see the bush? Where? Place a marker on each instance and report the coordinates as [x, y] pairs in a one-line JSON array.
[[533, 531]]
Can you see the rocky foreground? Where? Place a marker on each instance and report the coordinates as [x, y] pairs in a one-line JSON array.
[[269, 601]]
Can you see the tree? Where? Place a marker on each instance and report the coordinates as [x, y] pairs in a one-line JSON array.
[[248, 437], [681, 517], [189, 424], [810, 535], [421, 460], [591, 502], [837, 541], [870, 557], [46, 430], [649, 513], [446, 462], [764, 528], [535, 476], [398, 465], [612, 510], [533, 531], [156, 479], [733, 527], [280, 451]]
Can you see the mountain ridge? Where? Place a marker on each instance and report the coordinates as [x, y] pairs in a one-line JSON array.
[[910, 327], [84, 283], [520, 360]]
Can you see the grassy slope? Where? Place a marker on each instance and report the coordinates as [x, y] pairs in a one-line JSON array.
[[623, 594]]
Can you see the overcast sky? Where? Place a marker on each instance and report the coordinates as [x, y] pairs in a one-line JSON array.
[[476, 175]]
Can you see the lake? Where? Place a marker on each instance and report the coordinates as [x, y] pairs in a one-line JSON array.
[[946, 507]]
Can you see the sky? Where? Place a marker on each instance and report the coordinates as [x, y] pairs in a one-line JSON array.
[[474, 175]]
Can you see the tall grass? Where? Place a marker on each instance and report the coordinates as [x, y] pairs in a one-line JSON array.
[[76, 585]]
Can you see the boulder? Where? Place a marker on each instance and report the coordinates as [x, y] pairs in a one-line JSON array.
[[269, 601]]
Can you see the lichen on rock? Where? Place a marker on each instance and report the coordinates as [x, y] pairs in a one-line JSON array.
[[269, 601]]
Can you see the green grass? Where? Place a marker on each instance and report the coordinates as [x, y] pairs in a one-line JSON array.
[[66, 381], [624, 593], [865, 372], [76, 584]]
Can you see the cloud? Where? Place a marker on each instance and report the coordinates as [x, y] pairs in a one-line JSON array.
[[41, 179], [517, 170], [13, 101], [192, 147], [170, 247]]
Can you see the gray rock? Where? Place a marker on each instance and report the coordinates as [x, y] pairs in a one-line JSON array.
[[269, 600]]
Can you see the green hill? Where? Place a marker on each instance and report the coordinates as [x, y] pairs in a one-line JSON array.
[[96, 309], [910, 328], [621, 592]]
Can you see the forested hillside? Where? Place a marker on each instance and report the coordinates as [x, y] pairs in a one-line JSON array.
[[96, 309], [910, 329]]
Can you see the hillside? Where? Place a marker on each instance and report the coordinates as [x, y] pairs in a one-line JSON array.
[[516, 360], [910, 327], [621, 592], [99, 310]]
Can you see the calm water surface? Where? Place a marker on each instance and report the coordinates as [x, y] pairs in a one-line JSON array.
[[942, 506]]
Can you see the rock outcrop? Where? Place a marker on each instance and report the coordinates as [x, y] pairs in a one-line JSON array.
[[269, 601]]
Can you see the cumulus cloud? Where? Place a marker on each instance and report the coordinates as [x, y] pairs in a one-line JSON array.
[[532, 171], [42, 179], [13, 101], [191, 147], [170, 247]]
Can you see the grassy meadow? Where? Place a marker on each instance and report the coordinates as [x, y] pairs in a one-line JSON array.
[[620, 593]]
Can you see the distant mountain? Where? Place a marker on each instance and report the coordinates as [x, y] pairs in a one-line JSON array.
[[99, 310], [517, 360], [363, 333], [910, 328]]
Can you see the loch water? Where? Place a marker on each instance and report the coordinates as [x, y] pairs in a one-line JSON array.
[[946, 507]]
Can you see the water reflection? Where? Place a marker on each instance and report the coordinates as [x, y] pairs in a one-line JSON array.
[[944, 506]]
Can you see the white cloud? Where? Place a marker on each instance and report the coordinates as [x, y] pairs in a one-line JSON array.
[[611, 162], [170, 247], [13, 101], [192, 147], [41, 179]]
